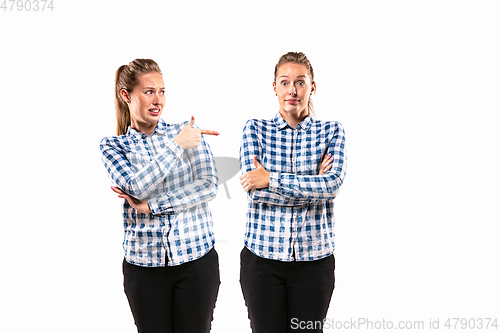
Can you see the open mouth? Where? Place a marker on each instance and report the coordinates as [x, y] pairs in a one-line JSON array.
[[154, 112]]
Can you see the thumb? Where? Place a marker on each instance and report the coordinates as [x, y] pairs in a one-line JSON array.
[[256, 163], [191, 122]]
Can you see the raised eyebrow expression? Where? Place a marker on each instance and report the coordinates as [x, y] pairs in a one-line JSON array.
[[298, 76], [300, 79]]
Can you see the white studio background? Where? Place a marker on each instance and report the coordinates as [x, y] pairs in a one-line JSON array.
[[415, 84]]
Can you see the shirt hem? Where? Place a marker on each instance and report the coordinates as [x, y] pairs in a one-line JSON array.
[[170, 263], [291, 259]]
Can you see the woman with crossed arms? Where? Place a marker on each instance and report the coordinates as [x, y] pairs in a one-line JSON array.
[[292, 168], [166, 174]]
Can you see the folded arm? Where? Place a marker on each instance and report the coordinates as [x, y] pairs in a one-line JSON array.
[[201, 189], [315, 187], [249, 149], [138, 183], [289, 189]]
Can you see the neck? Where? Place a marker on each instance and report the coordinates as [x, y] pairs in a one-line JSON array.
[[294, 118], [143, 127]]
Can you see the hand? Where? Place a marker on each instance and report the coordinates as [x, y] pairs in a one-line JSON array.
[[257, 178], [140, 206], [326, 164], [190, 137]]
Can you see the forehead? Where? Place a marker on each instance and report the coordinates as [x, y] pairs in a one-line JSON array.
[[153, 79], [292, 69]]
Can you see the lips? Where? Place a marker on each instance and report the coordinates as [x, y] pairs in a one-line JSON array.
[[154, 112], [292, 101]]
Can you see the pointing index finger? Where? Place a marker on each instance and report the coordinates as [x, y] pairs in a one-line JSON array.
[[209, 132]]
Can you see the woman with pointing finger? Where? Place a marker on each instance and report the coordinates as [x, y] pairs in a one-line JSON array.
[[292, 169], [166, 174]]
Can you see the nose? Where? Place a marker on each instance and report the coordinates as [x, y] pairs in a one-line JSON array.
[[158, 98], [293, 90]]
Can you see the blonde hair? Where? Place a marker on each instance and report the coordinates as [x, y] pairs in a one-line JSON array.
[[301, 59], [127, 77]]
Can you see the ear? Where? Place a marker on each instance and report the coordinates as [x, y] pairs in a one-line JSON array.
[[313, 88], [125, 95], [274, 88]]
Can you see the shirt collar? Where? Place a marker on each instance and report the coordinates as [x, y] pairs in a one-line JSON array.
[[282, 124], [161, 129]]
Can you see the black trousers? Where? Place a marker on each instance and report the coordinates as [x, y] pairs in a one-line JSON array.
[[173, 299], [286, 296]]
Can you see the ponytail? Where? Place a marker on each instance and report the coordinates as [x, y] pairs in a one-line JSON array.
[[122, 110]]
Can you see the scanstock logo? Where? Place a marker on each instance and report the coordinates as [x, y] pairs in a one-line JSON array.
[[227, 167]]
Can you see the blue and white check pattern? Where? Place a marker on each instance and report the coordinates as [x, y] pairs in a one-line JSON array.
[[177, 184], [292, 219]]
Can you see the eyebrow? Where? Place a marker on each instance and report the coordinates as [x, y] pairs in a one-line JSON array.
[[153, 88], [287, 76]]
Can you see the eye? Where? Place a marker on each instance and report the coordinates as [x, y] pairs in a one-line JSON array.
[[301, 83], [148, 92], [162, 92], [284, 83]]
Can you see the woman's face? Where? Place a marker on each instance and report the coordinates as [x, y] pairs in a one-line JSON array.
[[146, 102], [293, 87]]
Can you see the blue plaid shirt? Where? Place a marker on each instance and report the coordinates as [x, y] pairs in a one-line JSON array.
[[177, 184], [292, 219]]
